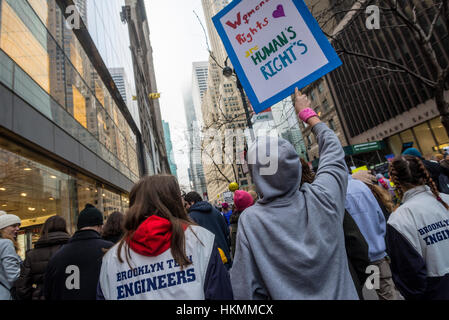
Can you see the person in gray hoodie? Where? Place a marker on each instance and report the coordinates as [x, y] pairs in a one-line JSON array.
[[290, 244]]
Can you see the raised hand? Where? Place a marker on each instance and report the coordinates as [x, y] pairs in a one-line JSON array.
[[301, 101]]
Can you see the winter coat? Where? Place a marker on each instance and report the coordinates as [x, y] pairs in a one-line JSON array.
[[204, 214], [418, 245], [113, 238], [435, 171], [357, 252], [443, 180], [72, 273], [155, 275], [290, 244], [233, 220], [227, 215], [30, 284], [9, 268], [366, 212]]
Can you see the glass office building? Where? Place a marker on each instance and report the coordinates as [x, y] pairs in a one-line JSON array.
[[66, 139]]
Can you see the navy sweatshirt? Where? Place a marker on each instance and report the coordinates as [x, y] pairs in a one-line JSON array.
[[418, 244], [211, 219]]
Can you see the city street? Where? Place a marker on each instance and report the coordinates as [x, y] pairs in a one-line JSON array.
[[224, 150]]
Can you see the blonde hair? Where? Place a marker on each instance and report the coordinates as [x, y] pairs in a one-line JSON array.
[[14, 241]]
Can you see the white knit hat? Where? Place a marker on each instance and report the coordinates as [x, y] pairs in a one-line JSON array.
[[7, 220]]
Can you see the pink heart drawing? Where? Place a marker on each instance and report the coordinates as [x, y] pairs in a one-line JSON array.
[[279, 12]]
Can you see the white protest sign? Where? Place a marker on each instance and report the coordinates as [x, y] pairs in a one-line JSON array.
[[274, 46]]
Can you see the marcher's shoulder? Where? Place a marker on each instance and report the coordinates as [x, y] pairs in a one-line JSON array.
[[113, 251], [401, 217], [105, 243], [200, 232], [250, 215], [445, 197], [6, 244]]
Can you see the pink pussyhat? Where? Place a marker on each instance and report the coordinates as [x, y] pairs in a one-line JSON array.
[[242, 200]]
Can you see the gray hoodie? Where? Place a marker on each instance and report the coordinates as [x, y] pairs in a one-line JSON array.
[[290, 244]]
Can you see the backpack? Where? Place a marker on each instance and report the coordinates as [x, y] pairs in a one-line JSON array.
[[443, 181]]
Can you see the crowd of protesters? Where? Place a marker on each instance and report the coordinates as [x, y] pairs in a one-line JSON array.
[[300, 235]]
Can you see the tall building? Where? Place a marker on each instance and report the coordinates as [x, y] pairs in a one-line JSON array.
[[392, 107], [126, 89], [134, 14], [199, 87], [322, 102], [196, 171], [121, 81], [169, 145], [319, 92], [388, 109], [67, 137], [82, 9], [286, 123], [222, 109]]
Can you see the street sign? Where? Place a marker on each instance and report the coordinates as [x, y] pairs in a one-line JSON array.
[[265, 116], [274, 46], [363, 147]]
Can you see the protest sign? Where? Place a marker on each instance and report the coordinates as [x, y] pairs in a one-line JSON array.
[[274, 46]]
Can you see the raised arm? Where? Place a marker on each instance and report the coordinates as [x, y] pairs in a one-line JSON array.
[[332, 175]]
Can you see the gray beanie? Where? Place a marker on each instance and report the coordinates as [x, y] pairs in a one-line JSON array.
[[7, 220]]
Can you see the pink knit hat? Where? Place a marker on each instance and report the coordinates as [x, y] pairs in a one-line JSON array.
[[242, 200]]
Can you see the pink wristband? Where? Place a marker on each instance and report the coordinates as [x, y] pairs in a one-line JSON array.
[[306, 114]]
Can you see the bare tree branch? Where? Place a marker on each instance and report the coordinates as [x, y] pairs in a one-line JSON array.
[[421, 78]]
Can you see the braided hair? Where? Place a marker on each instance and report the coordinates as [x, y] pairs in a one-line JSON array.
[[407, 172]]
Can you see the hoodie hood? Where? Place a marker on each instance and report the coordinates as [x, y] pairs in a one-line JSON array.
[[152, 237], [201, 206], [276, 168]]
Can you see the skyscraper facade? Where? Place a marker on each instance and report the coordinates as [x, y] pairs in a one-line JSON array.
[[134, 15], [391, 106], [169, 146], [199, 87], [196, 171], [222, 109], [67, 137]]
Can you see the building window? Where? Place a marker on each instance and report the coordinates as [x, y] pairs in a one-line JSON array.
[[332, 124], [439, 131], [325, 105], [425, 139], [321, 87], [312, 95]]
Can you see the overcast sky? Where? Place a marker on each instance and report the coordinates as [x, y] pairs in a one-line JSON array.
[[177, 40]]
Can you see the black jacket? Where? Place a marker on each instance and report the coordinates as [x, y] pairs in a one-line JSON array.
[[211, 219], [30, 283], [76, 263], [234, 221], [434, 169], [113, 238], [357, 252]]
